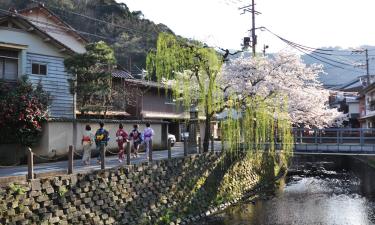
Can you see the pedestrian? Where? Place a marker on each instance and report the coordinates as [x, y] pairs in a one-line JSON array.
[[148, 133], [101, 140], [136, 136], [87, 141], [121, 138]]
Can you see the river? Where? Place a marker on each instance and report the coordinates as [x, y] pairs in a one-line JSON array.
[[317, 190]]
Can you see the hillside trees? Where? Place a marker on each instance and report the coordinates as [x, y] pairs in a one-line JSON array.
[[141, 33]]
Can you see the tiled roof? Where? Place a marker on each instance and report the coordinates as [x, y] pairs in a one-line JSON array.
[[122, 74]]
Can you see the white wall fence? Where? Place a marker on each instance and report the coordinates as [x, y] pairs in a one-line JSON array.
[[58, 134]]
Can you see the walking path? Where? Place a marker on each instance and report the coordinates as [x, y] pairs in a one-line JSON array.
[[61, 167]]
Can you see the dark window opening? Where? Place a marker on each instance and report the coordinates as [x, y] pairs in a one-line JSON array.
[[39, 69]]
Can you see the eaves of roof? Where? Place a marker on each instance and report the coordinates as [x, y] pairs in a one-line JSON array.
[[39, 31]]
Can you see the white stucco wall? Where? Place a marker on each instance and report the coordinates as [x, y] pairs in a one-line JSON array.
[[57, 136]]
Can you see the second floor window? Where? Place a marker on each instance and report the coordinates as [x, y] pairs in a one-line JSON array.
[[39, 69]]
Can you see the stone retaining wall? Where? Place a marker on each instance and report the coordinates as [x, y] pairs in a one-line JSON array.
[[155, 193]]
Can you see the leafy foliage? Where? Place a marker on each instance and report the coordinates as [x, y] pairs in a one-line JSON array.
[[194, 69], [24, 109], [94, 79]]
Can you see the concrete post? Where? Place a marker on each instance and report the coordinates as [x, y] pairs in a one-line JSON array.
[[185, 147], [71, 159], [169, 149], [150, 152], [102, 157], [199, 145], [193, 130], [128, 153], [30, 164]]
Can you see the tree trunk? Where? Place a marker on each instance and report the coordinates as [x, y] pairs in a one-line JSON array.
[[207, 129]]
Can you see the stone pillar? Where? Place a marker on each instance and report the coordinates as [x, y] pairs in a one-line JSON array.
[[193, 130]]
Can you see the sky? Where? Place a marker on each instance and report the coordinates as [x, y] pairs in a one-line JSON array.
[[219, 23]]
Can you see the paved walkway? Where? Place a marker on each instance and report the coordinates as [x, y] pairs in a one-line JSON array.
[[61, 167]]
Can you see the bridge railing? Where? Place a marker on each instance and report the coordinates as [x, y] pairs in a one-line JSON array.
[[359, 136]]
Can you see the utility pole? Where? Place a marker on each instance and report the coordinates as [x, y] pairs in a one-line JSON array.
[[264, 49], [251, 9], [367, 64], [254, 37]]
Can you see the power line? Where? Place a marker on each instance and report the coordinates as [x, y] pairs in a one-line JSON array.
[[317, 57]]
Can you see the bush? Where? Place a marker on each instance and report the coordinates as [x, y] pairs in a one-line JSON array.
[[23, 110]]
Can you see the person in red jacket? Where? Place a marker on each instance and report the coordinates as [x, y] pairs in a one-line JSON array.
[[121, 138]]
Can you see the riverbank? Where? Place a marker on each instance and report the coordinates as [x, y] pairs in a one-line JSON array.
[[176, 191]]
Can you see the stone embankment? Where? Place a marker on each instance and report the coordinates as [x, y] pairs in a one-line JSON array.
[[175, 191]]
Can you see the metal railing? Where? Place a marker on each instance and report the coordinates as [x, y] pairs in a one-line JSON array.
[[360, 140], [359, 136]]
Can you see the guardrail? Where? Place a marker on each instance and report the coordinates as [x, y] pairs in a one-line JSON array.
[[360, 136]]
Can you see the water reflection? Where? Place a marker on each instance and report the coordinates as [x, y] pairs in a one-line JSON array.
[[316, 195]]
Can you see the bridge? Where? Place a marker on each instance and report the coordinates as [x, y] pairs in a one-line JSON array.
[[345, 141]]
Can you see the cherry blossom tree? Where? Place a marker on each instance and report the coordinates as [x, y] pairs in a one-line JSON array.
[[283, 76]]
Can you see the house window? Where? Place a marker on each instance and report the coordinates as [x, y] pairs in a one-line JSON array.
[[39, 69], [8, 65], [169, 98]]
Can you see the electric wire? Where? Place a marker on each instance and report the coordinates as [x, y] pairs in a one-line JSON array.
[[320, 58]]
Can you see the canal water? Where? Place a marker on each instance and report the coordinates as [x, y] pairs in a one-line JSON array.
[[317, 191]]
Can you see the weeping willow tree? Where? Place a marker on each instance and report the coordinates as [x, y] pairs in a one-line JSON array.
[[193, 70], [194, 73], [256, 124]]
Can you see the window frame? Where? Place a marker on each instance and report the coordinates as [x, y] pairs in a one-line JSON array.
[[3, 58], [39, 64]]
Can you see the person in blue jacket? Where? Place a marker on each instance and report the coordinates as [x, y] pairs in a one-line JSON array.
[[101, 140]]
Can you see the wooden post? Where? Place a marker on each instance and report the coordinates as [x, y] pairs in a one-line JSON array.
[[150, 151], [71, 159], [30, 164], [102, 156], [199, 145], [212, 144], [128, 153], [169, 149], [185, 147]]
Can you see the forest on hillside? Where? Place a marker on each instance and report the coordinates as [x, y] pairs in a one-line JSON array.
[[127, 32]]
